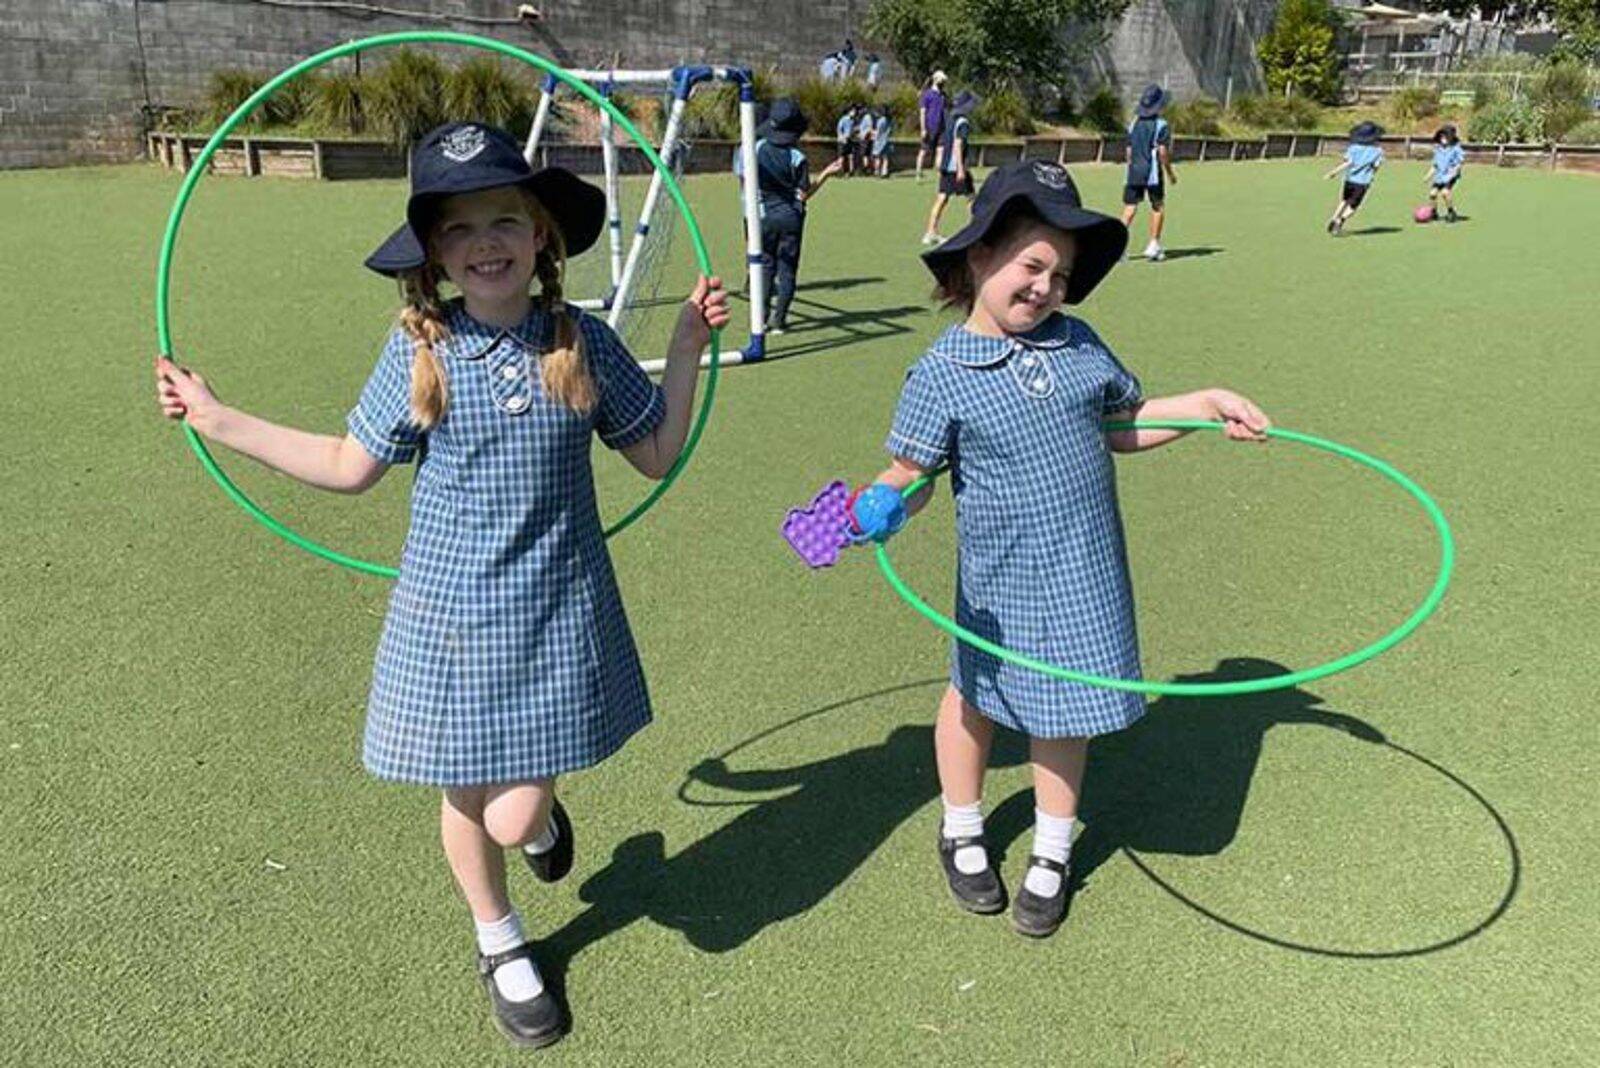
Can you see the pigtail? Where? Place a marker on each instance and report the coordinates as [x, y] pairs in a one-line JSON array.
[[423, 319], [562, 371]]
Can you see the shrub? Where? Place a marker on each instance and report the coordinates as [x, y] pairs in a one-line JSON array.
[[1103, 111], [1003, 111], [1513, 120], [1585, 133], [482, 90], [405, 98], [1561, 95], [226, 89], [337, 104], [1277, 112], [1414, 102], [1200, 117], [903, 102], [1298, 53]]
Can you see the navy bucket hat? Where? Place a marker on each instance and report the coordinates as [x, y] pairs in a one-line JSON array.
[[785, 122], [469, 157], [1048, 190], [1151, 101], [1366, 132]]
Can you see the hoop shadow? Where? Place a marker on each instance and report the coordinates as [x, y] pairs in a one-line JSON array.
[[778, 858], [1176, 782]]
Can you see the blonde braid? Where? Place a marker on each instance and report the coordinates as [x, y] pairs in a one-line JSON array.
[[562, 370], [423, 319]]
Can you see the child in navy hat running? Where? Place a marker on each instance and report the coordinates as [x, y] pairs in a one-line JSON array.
[[1149, 155], [1362, 158], [1013, 400], [506, 658]]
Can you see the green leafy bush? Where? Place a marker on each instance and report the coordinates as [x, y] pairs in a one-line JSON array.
[[1512, 120], [1200, 117], [1560, 93], [1003, 111], [1414, 102], [337, 104], [1277, 112], [226, 89], [1103, 111], [482, 90], [1298, 53], [1585, 133], [405, 98]]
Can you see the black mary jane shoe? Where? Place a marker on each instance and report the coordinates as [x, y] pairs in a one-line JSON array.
[[1036, 916], [552, 865], [533, 1023], [979, 892]]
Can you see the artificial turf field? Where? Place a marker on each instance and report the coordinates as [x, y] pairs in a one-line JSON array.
[[1392, 867]]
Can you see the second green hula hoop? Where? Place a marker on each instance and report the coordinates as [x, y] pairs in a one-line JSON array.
[[1447, 555], [198, 168]]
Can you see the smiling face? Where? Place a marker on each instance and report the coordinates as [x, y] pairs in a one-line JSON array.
[[1021, 280], [486, 243]]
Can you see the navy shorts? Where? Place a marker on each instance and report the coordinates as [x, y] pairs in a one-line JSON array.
[[931, 140], [1451, 184], [951, 186], [1132, 194], [1354, 194]]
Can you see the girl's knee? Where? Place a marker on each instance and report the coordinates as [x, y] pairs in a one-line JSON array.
[[517, 815]]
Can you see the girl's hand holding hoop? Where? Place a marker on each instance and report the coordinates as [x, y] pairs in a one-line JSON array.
[[705, 310], [183, 394], [1241, 419]]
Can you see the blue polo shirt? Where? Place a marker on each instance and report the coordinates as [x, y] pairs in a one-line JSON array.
[[1364, 161], [1447, 159], [1145, 138]]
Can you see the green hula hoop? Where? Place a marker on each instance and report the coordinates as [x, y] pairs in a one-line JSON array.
[[192, 178], [1447, 555]]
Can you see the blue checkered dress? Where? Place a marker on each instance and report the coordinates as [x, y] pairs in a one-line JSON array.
[[1042, 568], [506, 654]]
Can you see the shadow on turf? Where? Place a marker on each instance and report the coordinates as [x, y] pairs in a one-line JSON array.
[[1371, 231], [1184, 253], [839, 327], [1176, 783]]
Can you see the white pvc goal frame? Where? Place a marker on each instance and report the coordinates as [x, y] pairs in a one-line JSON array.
[[624, 261]]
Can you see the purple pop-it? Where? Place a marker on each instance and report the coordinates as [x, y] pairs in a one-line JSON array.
[[819, 530]]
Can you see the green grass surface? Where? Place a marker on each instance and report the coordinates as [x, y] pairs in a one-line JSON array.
[[197, 871]]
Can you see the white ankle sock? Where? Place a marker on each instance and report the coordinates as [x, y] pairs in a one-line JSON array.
[[519, 980], [545, 842], [1052, 839], [966, 821]]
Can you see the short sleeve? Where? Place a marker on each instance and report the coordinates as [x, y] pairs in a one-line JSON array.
[[381, 420], [1164, 134], [924, 425], [631, 406], [802, 170], [1122, 390]]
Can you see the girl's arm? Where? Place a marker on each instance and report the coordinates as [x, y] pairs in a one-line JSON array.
[[829, 171], [958, 148], [1243, 420], [1165, 155], [706, 309], [1336, 170], [901, 473], [327, 462]]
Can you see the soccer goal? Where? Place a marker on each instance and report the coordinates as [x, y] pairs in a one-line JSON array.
[[637, 264]]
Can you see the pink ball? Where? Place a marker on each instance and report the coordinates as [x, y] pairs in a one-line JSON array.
[[1423, 214]]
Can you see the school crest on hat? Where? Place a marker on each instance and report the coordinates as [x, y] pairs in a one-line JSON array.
[[463, 144], [1050, 175]]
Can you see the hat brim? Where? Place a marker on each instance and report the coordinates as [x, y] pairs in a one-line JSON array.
[[399, 253], [1366, 135], [1099, 240], [579, 209]]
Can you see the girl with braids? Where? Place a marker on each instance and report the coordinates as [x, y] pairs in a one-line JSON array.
[[506, 658]]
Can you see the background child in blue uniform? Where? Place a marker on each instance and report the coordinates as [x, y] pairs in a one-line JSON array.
[[1448, 158], [784, 188], [882, 128], [1149, 155], [866, 121], [1362, 159], [954, 179], [844, 132], [1013, 400], [506, 658]]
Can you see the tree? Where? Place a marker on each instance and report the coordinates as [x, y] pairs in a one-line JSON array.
[[1578, 23], [1298, 54], [988, 42]]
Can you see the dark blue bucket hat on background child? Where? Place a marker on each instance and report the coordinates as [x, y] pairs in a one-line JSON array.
[[1151, 101], [785, 122], [1366, 132], [468, 157], [965, 103], [1049, 191]]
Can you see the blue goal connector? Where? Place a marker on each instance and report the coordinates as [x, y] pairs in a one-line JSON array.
[[684, 79], [746, 82], [756, 350]]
